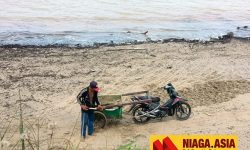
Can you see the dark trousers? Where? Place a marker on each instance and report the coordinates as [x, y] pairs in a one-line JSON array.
[[87, 121]]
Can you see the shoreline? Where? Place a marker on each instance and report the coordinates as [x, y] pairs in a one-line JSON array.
[[221, 39]]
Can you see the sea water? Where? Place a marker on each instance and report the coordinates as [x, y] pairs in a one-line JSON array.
[[84, 22]]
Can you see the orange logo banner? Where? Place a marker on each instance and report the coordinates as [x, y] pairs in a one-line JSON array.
[[193, 142]]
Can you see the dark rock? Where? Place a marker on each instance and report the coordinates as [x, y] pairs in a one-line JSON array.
[[145, 32], [227, 37], [230, 34], [194, 41], [245, 27]]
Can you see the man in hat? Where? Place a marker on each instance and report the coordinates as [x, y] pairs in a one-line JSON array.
[[88, 98]]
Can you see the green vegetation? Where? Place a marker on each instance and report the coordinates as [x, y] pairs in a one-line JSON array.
[[129, 146]]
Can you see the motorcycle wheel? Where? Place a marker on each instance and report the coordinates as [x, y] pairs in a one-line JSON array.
[[100, 120], [136, 113], [183, 111]]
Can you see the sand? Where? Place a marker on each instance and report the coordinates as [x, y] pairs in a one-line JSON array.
[[215, 77]]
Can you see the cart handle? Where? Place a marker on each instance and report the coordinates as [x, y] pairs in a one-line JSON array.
[[123, 104], [91, 108]]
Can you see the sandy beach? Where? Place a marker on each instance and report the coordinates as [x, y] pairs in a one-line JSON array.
[[215, 77]]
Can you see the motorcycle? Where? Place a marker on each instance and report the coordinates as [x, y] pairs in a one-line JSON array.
[[176, 105]]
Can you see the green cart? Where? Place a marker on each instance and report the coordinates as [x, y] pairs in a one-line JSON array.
[[102, 117], [114, 112]]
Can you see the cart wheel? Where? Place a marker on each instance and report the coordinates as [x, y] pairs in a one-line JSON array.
[[100, 120]]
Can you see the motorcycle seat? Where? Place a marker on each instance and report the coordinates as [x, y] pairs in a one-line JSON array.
[[154, 99]]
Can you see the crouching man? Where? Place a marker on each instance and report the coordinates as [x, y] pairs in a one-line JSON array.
[[88, 97]]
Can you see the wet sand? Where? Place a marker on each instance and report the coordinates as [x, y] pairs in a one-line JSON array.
[[214, 76]]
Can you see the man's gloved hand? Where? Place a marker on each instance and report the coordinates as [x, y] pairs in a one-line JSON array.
[[84, 107], [99, 107]]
